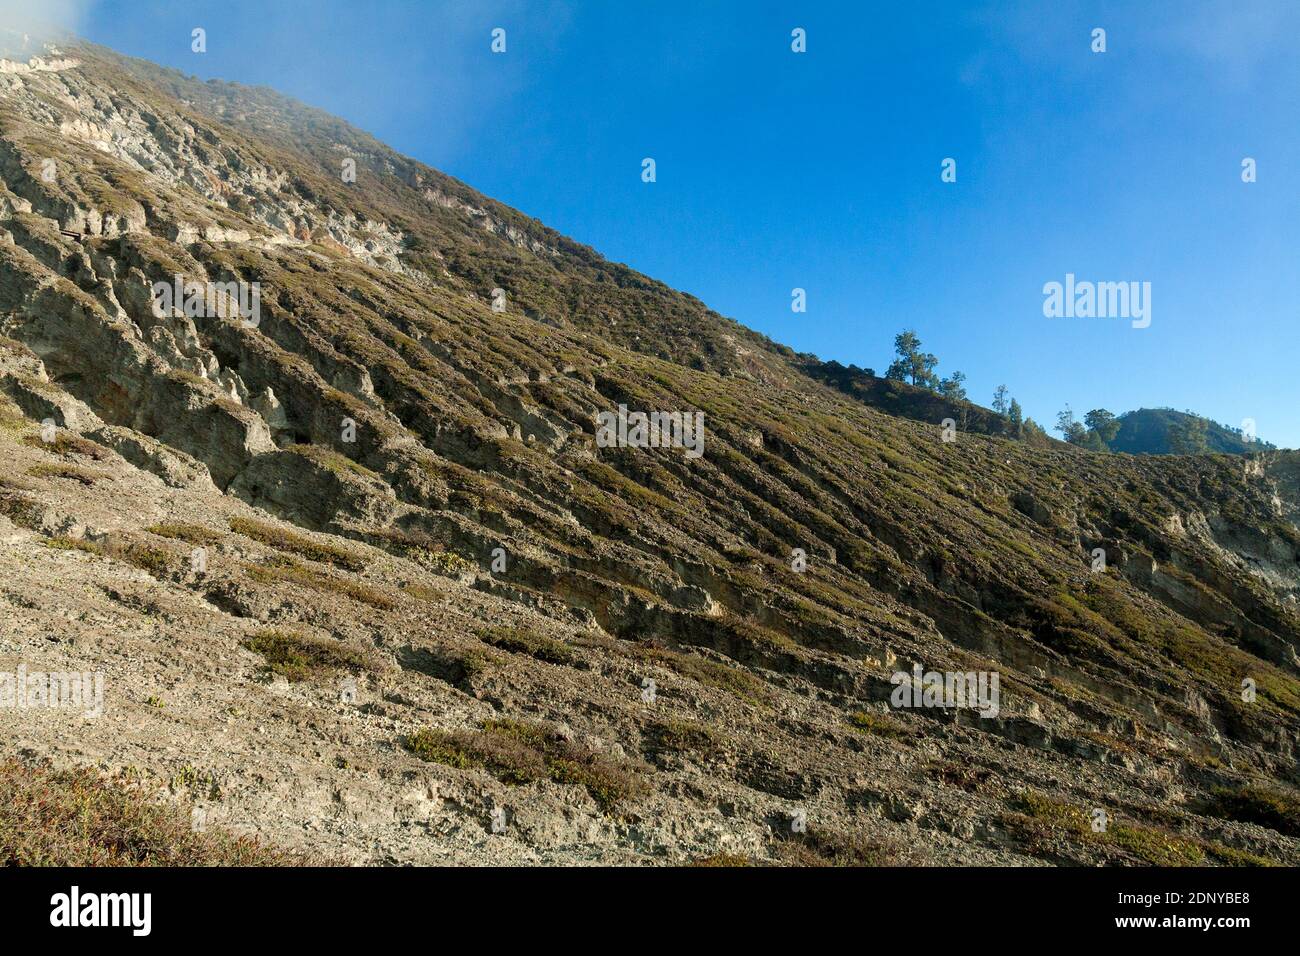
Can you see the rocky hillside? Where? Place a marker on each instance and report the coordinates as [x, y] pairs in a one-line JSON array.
[[362, 582]]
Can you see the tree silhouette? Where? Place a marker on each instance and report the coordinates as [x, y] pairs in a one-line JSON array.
[[1001, 399], [913, 364]]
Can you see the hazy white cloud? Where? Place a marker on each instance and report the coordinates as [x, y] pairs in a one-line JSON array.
[[418, 74], [42, 17]]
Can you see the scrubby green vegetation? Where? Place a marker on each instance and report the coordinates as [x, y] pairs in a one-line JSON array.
[[818, 847], [447, 563], [138, 553], [881, 725], [300, 657], [78, 818], [963, 775], [1228, 856], [709, 673], [519, 752], [1269, 806], [1039, 818], [181, 531], [282, 539], [64, 543], [529, 642], [722, 860], [423, 592], [283, 570], [332, 461], [121, 547], [84, 476], [1155, 847], [67, 445], [424, 551], [21, 508], [13, 424], [677, 735]]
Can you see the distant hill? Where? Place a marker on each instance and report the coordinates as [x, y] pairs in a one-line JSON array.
[[1145, 432]]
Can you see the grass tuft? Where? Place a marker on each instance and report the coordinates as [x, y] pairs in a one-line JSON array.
[[298, 544], [520, 752], [881, 725], [71, 472], [298, 657], [721, 860], [64, 543], [1270, 807], [181, 531], [65, 445], [529, 642], [815, 847], [287, 570], [79, 818]]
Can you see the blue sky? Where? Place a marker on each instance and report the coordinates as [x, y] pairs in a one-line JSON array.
[[822, 170]]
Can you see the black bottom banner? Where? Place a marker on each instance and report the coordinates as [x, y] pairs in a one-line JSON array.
[[333, 906]]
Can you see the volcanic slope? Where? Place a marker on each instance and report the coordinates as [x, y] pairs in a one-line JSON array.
[[360, 581]]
